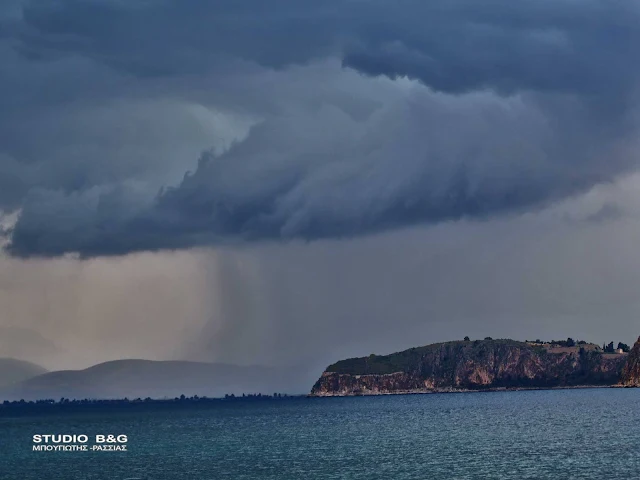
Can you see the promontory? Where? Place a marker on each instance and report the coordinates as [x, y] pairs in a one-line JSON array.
[[475, 365]]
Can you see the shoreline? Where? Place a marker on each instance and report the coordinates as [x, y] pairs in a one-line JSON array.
[[462, 390]]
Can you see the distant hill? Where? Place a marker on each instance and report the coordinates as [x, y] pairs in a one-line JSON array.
[[470, 365], [157, 379], [26, 344], [13, 371]]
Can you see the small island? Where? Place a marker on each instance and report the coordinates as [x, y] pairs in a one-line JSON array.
[[481, 365]]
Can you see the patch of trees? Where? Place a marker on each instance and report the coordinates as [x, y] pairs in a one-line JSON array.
[[624, 347], [569, 342], [182, 399], [609, 348]]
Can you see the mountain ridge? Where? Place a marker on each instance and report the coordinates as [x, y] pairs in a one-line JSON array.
[[142, 378], [14, 370]]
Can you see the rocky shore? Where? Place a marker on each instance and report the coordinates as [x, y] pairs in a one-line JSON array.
[[631, 372]]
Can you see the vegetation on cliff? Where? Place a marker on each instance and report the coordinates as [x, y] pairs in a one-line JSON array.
[[406, 360]]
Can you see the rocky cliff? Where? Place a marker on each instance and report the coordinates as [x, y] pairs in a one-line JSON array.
[[469, 365], [631, 371]]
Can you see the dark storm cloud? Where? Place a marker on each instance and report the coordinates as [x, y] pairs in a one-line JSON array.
[[151, 38], [459, 45], [565, 46], [523, 104], [424, 158]]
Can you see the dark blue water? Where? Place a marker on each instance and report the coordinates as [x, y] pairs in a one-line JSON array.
[[560, 434]]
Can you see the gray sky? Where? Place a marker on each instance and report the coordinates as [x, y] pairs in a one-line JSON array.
[[309, 180]]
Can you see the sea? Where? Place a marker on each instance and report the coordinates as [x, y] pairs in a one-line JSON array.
[[560, 434]]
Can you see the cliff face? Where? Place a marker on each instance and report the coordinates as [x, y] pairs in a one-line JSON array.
[[472, 365], [631, 371]]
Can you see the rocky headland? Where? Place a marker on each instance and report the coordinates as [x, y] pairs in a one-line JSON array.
[[477, 365], [631, 372]]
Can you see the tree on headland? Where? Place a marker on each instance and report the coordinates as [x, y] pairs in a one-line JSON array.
[[571, 342], [488, 338], [467, 339], [624, 347]]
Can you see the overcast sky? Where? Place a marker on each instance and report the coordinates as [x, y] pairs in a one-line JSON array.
[[297, 181]]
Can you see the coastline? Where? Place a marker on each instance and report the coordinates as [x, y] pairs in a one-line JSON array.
[[461, 390]]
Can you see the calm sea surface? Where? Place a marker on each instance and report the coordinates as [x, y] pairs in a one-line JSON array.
[[560, 434]]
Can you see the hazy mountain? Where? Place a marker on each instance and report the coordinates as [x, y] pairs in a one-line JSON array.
[[156, 379], [25, 344], [13, 371]]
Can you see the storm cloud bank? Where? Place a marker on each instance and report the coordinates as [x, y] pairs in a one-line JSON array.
[[342, 118]]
